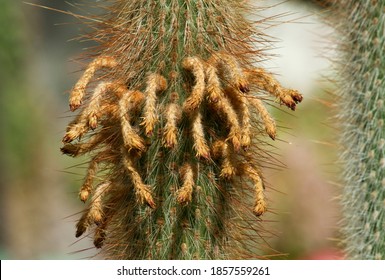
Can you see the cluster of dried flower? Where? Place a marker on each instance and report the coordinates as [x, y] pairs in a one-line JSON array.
[[118, 122]]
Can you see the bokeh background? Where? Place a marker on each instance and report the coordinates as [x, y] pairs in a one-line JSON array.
[[38, 185]]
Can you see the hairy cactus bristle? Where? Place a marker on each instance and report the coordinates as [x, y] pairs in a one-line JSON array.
[[360, 25], [172, 115]]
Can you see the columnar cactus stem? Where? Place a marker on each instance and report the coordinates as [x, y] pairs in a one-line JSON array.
[[171, 110], [362, 113]]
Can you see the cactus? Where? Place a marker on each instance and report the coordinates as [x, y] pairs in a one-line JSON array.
[[172, 114], [362, 113]]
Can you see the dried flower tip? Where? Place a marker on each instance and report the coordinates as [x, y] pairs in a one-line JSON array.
[[269, 122], [130, 137], [290, 98], [96, 213], [195, 66], [267, 82], [82, 148], [230, 71], [260, 202], [221, 150], [93, 121], [92, 111], [142, 191], [155, 83], [213, 85], [75, 131], [260, 206], [82, 224], [184, 194], [245, 136], [245, 140], [79, 90], [200, 144], [84, 194], [170, 133], [99, 237], [71, 149], [87, 185], [228, 170]]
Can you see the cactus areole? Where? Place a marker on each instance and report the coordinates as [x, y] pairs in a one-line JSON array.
[[172, 116]]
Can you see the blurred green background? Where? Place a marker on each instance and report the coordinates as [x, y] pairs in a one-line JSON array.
[[39, 186]]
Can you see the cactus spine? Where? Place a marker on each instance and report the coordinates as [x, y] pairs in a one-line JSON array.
[[172, 115], [362, 115]]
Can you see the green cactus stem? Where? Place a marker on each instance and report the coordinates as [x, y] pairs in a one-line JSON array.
[[173, 117]]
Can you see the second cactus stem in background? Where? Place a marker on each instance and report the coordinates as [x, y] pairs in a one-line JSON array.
[[361, 27]]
